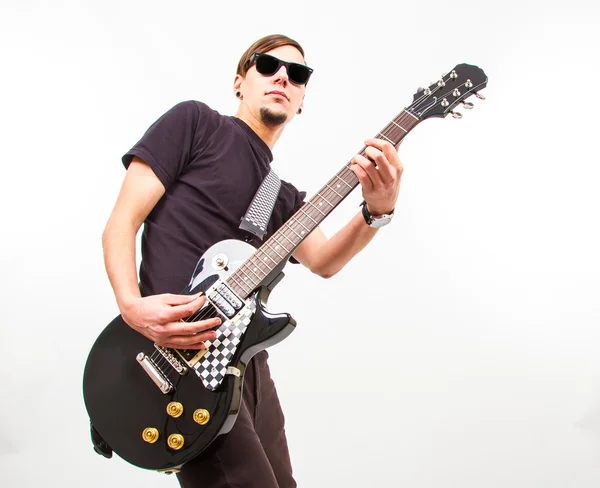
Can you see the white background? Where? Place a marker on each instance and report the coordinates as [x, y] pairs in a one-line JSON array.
[[460, 349]]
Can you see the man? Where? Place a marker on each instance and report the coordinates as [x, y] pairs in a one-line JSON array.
[[190, 180]]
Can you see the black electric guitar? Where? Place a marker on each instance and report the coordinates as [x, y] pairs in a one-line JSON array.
[[157, 407]]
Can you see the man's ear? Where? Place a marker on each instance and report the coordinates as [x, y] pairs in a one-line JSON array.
[[237, 82]]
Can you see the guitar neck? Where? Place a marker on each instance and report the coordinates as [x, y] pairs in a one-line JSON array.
[[279, 247]]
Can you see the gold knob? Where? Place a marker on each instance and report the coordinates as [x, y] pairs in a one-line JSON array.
[[150, 435], [175, 409], [175, 441], [201, 416]]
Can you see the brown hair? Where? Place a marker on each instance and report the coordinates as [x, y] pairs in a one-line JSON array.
[[262, 46]]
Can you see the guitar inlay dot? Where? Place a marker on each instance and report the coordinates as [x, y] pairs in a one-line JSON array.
[[302, 232], [255, 269], [266, 259]]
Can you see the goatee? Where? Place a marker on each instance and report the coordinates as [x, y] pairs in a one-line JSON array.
[[272, 119]]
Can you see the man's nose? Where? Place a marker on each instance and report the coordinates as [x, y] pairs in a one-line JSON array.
[[281, 75]]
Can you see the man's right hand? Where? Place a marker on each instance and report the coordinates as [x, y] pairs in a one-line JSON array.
[[158, 317]]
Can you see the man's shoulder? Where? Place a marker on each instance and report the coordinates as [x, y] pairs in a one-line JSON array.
[[197, 107]]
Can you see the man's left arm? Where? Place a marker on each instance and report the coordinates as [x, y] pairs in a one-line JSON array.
[[379, 175]]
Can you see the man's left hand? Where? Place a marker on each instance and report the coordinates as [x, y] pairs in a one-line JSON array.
[[379, 175]]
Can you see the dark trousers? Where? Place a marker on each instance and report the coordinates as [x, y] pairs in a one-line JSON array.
[[254, 454]]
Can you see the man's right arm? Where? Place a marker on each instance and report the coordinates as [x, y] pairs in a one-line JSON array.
[[156, 317]]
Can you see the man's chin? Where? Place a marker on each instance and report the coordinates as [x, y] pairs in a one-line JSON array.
[[272, 118]]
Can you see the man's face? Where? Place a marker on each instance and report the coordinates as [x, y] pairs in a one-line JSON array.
[[273, 98]]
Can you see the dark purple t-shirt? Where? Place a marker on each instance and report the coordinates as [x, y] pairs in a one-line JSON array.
[[211, 166]]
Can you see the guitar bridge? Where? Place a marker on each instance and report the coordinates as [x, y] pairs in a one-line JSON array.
[[155, 374]]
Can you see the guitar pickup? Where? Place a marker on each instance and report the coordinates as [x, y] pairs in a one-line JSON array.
[[225, 300]]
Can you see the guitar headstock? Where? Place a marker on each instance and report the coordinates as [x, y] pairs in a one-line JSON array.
[[440, 98]]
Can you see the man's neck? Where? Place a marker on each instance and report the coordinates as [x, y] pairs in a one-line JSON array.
[[269, 135]]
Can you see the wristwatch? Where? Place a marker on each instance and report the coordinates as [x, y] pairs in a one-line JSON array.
[[378, 221]]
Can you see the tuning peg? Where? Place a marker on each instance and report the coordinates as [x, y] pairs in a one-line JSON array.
[[467, 105], [420, 89], [456, 115], [481, 97]]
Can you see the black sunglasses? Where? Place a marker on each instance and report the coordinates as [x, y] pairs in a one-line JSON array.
[[269, 65]]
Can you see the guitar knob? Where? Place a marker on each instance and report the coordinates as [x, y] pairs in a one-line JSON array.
[[175, 409], [201, 416], [175, 441], [150, 435], [456, 115], [481, 97], [420, 89], [467, 105]]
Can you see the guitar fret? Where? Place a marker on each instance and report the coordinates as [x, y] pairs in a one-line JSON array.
[[302, 210], [303, 225], [399, 126], [243, 284], [279, 243], [263, 261], [386, 138], [267, 243], [334, 191], [253, 271], [330, 204], [283, 234], [236, 278], [347, 184], [296, 233], [316, 208]]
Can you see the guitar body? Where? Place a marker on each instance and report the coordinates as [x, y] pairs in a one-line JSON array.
[[123, 399]]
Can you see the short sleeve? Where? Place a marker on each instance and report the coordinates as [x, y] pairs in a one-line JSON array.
[[168, 143]]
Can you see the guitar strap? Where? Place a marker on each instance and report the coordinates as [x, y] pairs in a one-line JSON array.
[[261, 207]]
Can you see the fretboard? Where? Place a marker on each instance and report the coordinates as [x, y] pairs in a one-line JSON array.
[[284, 241]]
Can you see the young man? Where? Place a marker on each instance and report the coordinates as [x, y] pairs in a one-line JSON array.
[[190, 179]]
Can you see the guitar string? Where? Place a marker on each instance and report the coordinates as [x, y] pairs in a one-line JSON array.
[[389, 130]]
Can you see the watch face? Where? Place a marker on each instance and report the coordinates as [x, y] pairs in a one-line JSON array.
[[376, 223]]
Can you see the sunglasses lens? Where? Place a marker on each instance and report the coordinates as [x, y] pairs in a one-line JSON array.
[[298, 73], [266, 65]]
